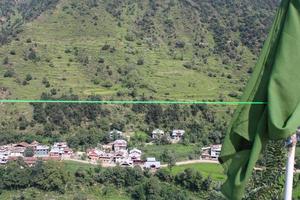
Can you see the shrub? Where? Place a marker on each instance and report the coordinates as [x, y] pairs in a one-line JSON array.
[[9, 73], [5, 60], [140, 61], [188, 65], [32, 55], [28, 77], [24, 82], [233, 94], [180, 44], [105, 47], [68, 50], [12, 52], [28, 40], [107, 84], [101, 60], [129, 37], [53, 91]]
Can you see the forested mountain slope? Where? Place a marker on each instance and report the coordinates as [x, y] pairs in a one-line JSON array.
[[126, 49], [175, 49]]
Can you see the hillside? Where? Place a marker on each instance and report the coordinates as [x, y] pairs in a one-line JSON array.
[[177, 49], [125, 49]]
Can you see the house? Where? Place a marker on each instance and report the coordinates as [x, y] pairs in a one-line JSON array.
[[135, 154], [107, 147], [106, 157], [125, 162], [151, 163], [55, 152], [115, 134], [18, 150], [61, 149], [96, 154], [121, 154], [41, 150], [212, 152], [92, 154], [119, 145], [3, 159], [177, 134], [205, 153], [215, 151], [33, 145], [157, 133]]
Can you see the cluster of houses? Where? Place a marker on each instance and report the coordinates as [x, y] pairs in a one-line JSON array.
[[175, 136], [57, 151], [111, 154], [212, 152], [117, 153]]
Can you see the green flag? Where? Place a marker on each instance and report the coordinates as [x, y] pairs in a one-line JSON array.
[[275, 80]]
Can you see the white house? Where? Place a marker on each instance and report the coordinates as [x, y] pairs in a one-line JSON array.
[[119, 145], [215, 151], [41, 150], [151, 163], [125, 162], [3, 159], [157, 133], [177, 134], [211, 152], [135, 154], [61, 149]]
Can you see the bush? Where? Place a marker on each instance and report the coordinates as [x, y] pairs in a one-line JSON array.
[[140, 61], [53, 91], [28, 40], [28, 77], [233, 94], [129, 37], [188, 65], [29, 152], [101, 60], [5, 60], [32, 55], [24, 82], [105, 47], [9, 73], [12, 52], [68, 50], [107, 84], [180, 44]]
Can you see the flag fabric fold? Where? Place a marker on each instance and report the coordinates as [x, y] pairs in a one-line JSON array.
[[276, 81]]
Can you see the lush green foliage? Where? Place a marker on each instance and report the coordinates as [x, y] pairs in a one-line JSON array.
[[65, 177]]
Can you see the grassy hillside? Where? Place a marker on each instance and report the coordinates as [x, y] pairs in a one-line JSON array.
[[103, 49], [175, 49], [178, 49]]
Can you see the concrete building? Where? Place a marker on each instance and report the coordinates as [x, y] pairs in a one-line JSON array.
[[212, 152], [119, 145], [42, 150], [157, 133], [135, 154], [177, 134], [151, 163]]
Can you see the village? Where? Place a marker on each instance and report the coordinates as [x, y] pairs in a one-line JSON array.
[[115, 153]]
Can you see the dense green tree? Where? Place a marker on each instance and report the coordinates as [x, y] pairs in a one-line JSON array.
[[29, 152]]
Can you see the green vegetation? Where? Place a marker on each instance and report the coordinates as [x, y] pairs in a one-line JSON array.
[[125, 50], [133, 49], [215, 171], [182, 152], [63, 179]]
